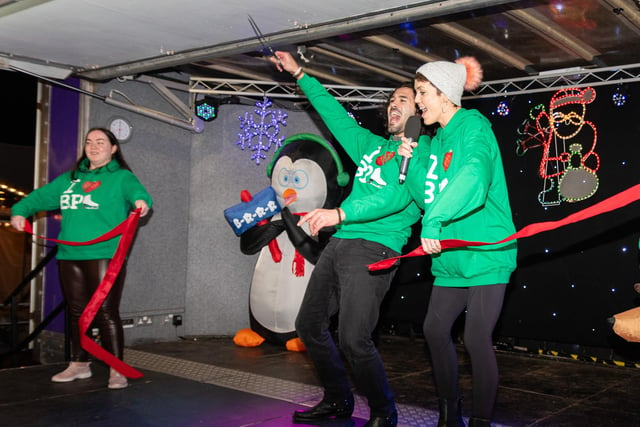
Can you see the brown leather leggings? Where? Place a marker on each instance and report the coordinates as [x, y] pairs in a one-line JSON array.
[[79, 281]]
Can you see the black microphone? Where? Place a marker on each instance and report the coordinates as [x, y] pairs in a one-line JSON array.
[[411, 131]]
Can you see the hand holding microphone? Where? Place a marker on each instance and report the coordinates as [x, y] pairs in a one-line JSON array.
[[412, 132]]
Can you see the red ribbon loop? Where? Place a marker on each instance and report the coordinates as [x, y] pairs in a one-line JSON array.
[[127, 229], [614, 202]]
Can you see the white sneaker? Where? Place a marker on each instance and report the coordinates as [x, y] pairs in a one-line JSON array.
[[117, 380], [75, 371]]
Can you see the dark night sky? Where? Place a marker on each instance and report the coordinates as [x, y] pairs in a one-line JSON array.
[[18, 108], [18, 119]]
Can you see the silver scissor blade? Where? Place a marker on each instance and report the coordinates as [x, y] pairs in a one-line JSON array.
[[263, 41]]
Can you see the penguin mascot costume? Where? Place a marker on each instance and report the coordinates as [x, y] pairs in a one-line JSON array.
[[306, 173]]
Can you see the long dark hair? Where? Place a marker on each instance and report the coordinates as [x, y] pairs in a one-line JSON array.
[[112, 140]]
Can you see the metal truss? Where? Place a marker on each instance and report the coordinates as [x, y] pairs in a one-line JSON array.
[[212, 86], [545, 81], [558, 79]]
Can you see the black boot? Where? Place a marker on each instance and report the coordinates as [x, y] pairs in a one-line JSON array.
[[450, 415], [388, 421], [479, 422], [326, 410]]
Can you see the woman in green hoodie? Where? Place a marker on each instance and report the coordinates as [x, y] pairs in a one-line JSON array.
[[93, 197], [462, 187]]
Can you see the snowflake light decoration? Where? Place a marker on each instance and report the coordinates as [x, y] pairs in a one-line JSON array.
[[260, 135]]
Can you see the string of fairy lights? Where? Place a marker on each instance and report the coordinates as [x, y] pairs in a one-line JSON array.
[[8, 197]]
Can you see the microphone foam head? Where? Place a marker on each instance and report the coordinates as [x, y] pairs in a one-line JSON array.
[[412, 128]]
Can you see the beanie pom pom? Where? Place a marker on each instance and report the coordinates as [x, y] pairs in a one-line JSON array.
[[474, 72]]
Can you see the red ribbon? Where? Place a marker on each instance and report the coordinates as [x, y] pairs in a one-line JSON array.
[[127, 229], [612, 203], [297, 266]]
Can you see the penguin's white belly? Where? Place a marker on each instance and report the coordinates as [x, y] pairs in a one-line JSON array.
[[276, 293]]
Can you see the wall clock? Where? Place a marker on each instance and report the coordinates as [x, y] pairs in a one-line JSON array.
[[120, 128]]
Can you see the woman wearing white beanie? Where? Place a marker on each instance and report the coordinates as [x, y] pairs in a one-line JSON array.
[[461, 186]]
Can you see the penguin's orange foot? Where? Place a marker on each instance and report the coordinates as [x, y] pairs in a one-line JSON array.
[[295, 344], [247, 338]]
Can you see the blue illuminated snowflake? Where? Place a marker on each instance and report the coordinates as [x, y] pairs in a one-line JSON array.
[[260, 136]]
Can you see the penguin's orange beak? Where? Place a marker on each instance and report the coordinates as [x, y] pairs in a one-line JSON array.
[[289, 196]]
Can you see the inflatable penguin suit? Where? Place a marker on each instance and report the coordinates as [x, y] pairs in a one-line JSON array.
[[306, 173]]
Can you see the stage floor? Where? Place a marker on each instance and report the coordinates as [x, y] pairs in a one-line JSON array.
[[208, 381]]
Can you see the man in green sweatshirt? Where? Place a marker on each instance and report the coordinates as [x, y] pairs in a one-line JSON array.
[[367, 231]]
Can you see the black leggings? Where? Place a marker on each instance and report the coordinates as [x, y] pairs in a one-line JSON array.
[[483, 305], [79, 281]]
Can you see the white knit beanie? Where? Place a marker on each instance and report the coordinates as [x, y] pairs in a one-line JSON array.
[[448, 77]]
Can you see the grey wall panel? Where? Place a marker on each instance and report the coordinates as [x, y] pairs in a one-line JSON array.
[[159, 155], [186, 259]]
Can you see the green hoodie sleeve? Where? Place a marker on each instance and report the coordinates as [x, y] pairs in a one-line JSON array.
[[351, 136], [45, 198], [135, 190], [393, 198], [467, 188]]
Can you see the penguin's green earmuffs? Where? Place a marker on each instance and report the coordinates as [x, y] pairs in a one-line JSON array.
[[342, 178]]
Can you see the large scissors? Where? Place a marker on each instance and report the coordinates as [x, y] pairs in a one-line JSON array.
[[263, 41]]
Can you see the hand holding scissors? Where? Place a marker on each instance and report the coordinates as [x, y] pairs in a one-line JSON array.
[[285, 62]]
